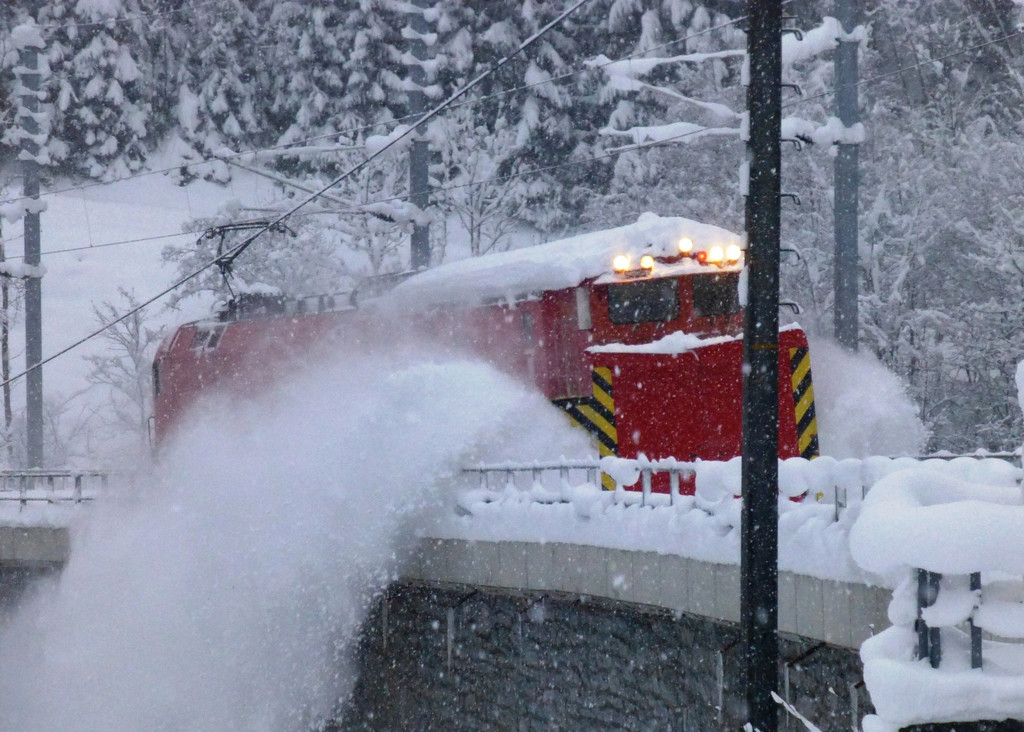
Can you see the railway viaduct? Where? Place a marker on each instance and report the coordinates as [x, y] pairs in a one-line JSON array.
[[630, 639], [522, 634], [516, 635]]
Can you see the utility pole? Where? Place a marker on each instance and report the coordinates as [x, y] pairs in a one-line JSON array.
[[759, 570], [29, 42], [421, 46], [846, 183], [5, 353]]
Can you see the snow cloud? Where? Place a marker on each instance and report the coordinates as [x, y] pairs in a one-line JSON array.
[[227, 594]]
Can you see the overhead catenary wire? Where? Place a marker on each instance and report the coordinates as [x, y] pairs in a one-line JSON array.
[[238, 249], [87, 247]]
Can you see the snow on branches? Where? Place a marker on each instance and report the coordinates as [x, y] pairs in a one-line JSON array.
[[627, 76]]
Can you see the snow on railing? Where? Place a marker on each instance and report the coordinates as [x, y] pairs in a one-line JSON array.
[[823, 480], [550, 481], [955, 551], [51, 486]]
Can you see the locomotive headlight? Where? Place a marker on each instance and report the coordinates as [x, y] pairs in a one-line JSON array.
[[716, 255], [685, 245], [647, 262], [621, 263], [733, 252]]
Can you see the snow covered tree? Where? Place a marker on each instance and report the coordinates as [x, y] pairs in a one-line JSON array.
[[125, 372], [308, 89], [103, 111], [476, 176], [219, 82]]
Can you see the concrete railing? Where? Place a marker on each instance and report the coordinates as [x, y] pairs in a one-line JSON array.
[[52, 486]]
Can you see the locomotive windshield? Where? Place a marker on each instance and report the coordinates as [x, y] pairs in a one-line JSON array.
[[716, 294], [647, 301]]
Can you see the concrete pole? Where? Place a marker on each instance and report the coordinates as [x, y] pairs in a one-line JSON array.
[[419, 154], [30, 77], [847, 181], [760, 518]]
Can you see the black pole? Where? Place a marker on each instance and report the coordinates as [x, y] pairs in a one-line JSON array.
[[30, 78], [759, 545], [419, 153], [975, 630], [846, 184]]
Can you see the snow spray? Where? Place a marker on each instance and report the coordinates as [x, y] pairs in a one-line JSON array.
[[228, 594]]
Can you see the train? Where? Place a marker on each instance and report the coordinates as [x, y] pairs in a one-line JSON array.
[[634, 332]]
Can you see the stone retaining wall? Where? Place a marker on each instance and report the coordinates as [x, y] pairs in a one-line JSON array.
[[450, 657]]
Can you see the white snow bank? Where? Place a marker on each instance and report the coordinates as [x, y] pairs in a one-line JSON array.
[[822, 39], [833, 132], [673, 343], [377, 143], [945, 524], [905, 691], [926, 520], [813, 535], [557, 265], [811, 542]]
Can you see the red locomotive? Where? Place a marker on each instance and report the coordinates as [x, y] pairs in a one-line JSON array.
[[635, 332]]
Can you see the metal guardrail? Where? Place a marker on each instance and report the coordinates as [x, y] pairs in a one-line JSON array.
[[929, 639], [508, 475], [52, 486], [553, 477]]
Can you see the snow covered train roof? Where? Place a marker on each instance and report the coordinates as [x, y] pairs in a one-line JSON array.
[[560, 264]]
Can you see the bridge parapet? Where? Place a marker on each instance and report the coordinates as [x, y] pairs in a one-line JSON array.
[[836, 612], [35, 509], [52, 486]]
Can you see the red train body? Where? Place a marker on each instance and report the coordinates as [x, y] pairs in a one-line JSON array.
[[647, 358]]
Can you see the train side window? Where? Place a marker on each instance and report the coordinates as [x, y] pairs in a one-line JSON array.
[[200, 338], [156, 378], [716, 294], [583, 318], [215, 336], [647, 301], [207, 338]]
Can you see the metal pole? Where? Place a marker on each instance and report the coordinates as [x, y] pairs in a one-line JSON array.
[[759, 542], [976, 660], [5, 355], [846, 184], [419, 153], [33, 285]]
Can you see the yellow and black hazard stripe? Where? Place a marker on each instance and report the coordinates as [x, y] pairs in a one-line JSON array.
[[596, 414], [803, 399]]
